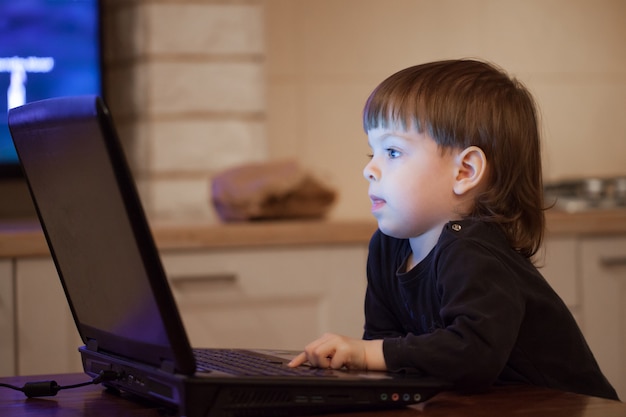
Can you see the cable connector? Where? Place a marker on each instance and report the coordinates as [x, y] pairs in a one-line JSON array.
[[106, 375], [41, 389]]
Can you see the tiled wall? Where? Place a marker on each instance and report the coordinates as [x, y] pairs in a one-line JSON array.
[[186, 86]]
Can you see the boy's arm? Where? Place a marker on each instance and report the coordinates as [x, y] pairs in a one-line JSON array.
[[336, 351]]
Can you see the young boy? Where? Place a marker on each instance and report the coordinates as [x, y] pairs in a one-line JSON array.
[[456, 186]]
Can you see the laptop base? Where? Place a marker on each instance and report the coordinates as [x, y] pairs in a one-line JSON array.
[[222, 395]]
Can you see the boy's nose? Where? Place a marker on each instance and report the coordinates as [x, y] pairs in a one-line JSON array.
[[370, 173]]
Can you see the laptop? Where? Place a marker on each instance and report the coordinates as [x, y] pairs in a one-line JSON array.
[[118, 293]]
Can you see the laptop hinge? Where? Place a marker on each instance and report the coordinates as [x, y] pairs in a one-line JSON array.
[[167, 366], [92, 345]]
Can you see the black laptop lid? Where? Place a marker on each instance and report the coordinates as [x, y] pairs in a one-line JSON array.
[[97, 232]]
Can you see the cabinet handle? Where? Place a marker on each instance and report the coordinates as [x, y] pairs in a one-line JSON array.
[[219, 279], [613, 261]]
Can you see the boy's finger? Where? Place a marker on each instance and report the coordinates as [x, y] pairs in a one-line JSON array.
[[298, 360]]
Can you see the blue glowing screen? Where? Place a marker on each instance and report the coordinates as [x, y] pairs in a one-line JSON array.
[[48, 48]]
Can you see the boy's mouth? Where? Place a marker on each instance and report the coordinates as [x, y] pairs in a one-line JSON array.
[[377, 202]]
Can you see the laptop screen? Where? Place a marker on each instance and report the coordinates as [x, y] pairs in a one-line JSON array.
[[96, 229]]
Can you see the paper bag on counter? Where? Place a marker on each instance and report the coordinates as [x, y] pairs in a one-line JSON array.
[[272, 190]]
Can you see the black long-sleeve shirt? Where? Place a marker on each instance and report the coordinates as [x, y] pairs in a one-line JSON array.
[[475, 312]]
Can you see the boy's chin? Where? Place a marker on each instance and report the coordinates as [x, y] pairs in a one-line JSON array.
[[392, 230]]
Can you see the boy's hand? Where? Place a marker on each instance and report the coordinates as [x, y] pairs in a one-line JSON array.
[[334, 351]]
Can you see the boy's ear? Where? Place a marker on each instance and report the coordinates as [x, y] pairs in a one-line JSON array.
[[471, 165]]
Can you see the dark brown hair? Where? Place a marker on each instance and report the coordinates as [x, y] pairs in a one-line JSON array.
[[463, 103]]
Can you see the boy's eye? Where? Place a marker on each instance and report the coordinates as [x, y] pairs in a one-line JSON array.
[[393, 153], [370, 155]]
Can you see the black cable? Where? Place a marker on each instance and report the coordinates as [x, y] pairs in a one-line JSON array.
[[50, 388]]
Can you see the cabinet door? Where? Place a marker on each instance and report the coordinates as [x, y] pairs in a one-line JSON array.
[[558, 263], [47, 339], [7, 318], [604, 303], [268, 298]]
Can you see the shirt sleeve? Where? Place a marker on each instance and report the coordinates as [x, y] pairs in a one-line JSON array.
[[481, 312]]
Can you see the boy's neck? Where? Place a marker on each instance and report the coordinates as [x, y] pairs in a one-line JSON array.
[[422, 245]]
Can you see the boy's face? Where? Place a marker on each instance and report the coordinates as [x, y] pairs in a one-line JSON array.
[[410, 183]]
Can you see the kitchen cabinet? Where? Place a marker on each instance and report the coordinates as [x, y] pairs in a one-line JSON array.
[[558, 263], [7, 319], [46, 337], [603, 273], [269, 297]]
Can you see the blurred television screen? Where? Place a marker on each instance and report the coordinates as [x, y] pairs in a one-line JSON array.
[[48, 48]]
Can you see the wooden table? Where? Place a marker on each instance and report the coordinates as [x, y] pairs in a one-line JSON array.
[[93, 401]]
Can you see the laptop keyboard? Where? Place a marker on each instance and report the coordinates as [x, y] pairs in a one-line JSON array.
[[241, 362]]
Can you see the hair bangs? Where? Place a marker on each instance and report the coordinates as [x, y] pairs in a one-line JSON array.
[[395, 105]]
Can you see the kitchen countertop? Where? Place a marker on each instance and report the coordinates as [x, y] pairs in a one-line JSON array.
[[22, 239], [25, 238]]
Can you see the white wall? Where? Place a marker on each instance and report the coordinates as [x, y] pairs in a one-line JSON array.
[[325, 56]]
